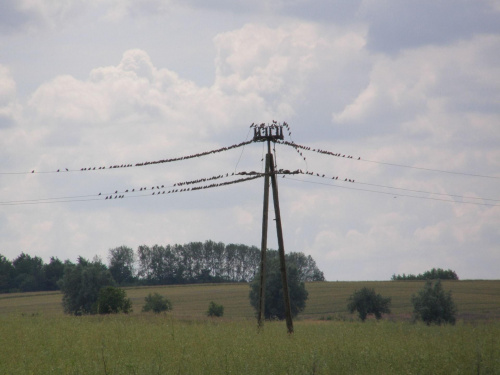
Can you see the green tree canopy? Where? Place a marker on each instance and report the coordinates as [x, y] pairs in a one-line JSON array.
[[121, 264], [365, 301], [274, 301], [81, 284], [156, 303], [433, 305], [113, 300]]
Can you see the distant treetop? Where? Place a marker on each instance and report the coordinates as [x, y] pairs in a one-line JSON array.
[[433, 274]]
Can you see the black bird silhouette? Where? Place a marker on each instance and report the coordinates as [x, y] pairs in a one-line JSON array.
[[33, 171], [116, 191], [58, 170], [66, 169]]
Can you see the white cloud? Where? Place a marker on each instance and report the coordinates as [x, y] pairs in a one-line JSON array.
[[431, 104]]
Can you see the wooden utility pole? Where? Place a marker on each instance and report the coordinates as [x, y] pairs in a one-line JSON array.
[[263, 247], [263, 133]]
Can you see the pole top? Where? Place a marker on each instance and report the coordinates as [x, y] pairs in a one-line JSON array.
[[268, 132]]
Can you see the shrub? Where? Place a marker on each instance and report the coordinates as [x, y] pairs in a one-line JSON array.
[[433, 305], [215, 310], [366, 301], [156, 303], [112, 300]]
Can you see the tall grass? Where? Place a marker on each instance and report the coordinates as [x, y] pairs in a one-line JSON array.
[[161, 344]]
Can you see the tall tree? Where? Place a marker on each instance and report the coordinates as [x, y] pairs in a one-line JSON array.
[[6, 274], [28, 273], [53, 272], [122, 264]]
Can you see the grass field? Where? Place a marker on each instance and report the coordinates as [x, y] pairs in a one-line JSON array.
[[476, 299], [37, 338]]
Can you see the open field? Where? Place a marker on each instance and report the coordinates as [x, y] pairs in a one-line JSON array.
[[148, 344], [476, 299], [37, 338]]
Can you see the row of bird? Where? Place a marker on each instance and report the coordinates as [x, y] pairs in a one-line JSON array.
[[222, 149], [253, 175], [318, 150], [119, 196], [323, 176]]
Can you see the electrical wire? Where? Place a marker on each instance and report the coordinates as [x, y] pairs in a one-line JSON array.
[[393, 194], [141, 164], [140, 192], [346, 156]]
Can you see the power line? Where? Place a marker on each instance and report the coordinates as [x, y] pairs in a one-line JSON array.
[[346, 156], [393, 194], [141, 164], [395, 188], [139, 193]]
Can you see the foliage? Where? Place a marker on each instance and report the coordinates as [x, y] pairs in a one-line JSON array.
[[433, 305], [29, 274], [81, 284], [113, 300], [191, 263], [433, 274], [215, 309], [6, 274], [274, 302], [53, 272], [156, 303], [366, 302], [121, 264]]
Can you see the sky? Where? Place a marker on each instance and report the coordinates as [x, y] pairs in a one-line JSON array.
[[411, 88]]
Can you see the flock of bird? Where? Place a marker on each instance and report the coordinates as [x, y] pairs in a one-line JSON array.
[[194, 188], [318, 150], [222, 149], [157, 190], [261, 130]]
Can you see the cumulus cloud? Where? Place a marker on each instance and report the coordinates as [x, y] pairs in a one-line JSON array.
[[424, 87], [432, 104]]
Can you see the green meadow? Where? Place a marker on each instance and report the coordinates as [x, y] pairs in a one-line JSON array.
[[37, 338]]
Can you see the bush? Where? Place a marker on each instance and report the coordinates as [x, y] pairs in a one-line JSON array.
[[112, 300], [215, 310], [433, 305], [156, 303], [366, 301]]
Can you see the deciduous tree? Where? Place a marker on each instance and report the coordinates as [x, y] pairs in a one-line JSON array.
[[365, 301], [274, 301], [81, 284], [433, 305]]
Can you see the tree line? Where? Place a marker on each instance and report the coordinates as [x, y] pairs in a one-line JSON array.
[[194, 262], [433, 274]]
